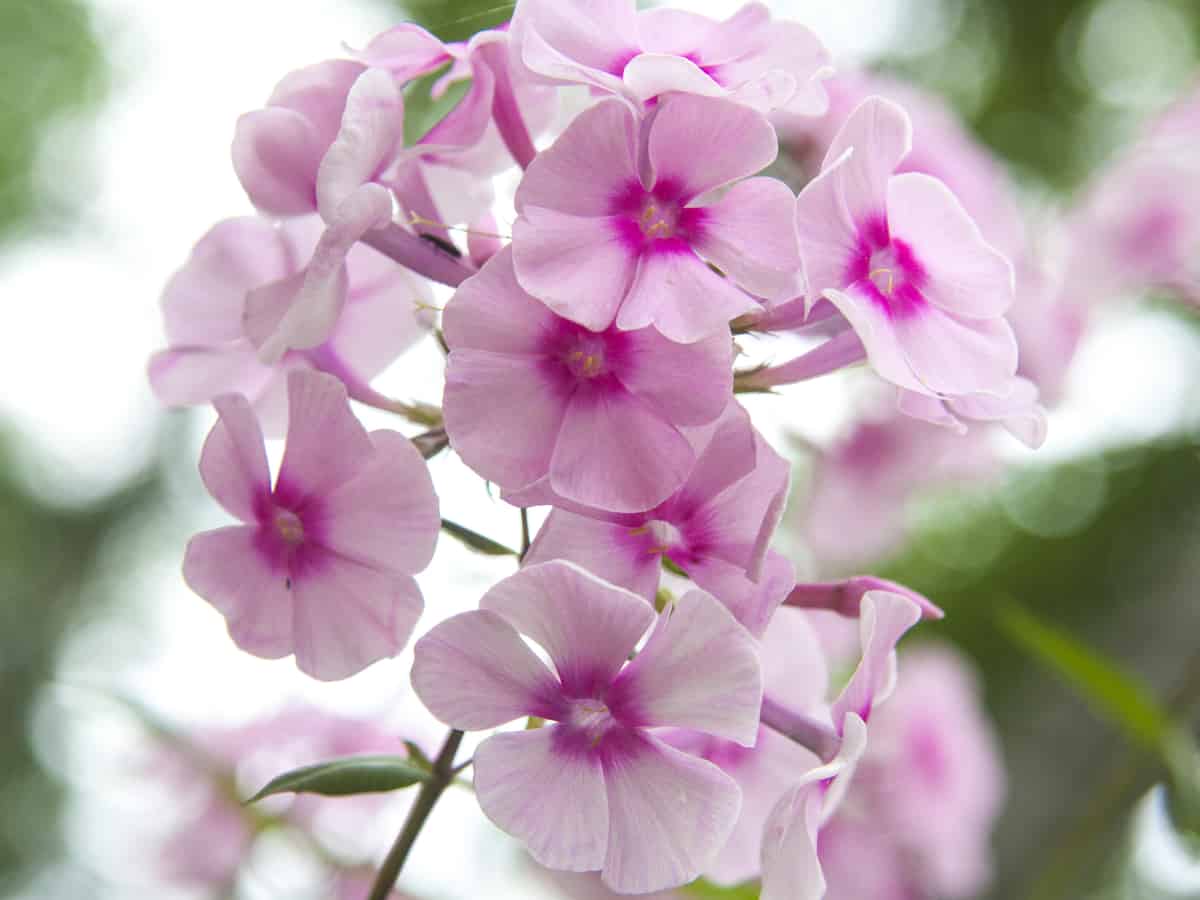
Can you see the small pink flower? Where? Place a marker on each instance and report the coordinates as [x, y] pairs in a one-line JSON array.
[[716, 528], [639, 56], [211, 350], [531, 395], [581, 792], [323, 566], [611, 232], [904, 263]]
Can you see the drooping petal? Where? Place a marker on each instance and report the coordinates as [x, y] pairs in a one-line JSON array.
[[750, 233], [606, 549], [587, 626], [233, 463], [386, 516], [699, 670], [677, 293], [687, 384], [473, 671], [753, 603], [669, 814], [884, 620], [491, 311], [967, 276], [950, 355], [591, 35], [584, 172], [697, 144], [276, 153], [326, 444], [649, 75], [878, 135], [407, 51], [348, 615], [615, 453], [548, 796], [579, 266], [228, 568]]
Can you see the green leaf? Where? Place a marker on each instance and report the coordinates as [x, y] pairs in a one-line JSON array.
[[476, 541], [417, 757], [1113, 693], [342, 777], [706, 890]]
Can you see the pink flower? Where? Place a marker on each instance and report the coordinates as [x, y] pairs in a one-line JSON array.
[[532, 395], [639, 56], [211, 350], [716, 528], [904, 263], [323, 565], [610, 232], [597, 789]]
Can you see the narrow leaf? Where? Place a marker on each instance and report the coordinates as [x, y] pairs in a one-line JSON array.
[[351, 775], [1114, 694], [476, 541]]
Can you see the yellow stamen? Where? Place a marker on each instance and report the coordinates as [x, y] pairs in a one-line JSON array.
[[891, 278]]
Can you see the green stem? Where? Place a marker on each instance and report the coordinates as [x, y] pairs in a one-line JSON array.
[[431, 790], [524, 532]]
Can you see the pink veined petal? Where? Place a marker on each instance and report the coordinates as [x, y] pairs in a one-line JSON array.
[[249, 589], [473, 671], [545, 63], [878, 134], [677, 293], [326, 444], [1018, 410], [318, 92], [650, 75], [550, 797], [669, 814], [590, 34], [386, 516], [967, 276], [879, 335], [697, 144], [265, 306], [348, 615], [929, 409], [605, 549], [276, 152], [578, 266], [949, 355], [884, 619], [188, 376], [504, 415], [726, 454], [795, 671], [233, 463], [615, 453], [828, 238], [314, 312], [491, 311], [698, 670], [407, 51], [687, 384], [587, 626], [750, 233], [586, 169], [465, 125], [677, 32], [752, 603], [372, 130]]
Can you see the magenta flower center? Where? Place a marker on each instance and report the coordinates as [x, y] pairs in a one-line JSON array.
[[664, 536], [585, 357], [289, 527], [589, 718], [659, 218], [887, 269]]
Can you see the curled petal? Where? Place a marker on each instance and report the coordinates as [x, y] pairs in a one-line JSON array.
[[884, 620], [233, 463]]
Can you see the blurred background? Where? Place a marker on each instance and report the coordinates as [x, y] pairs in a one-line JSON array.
[[115, 123]]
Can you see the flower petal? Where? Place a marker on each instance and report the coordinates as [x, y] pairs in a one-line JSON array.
[[276, 152], [491, 311], [233, 463], [950, 355], [687, 384], [753, 603], [878, 134], [549, 797], [699, 670], [828, 237], [884, 619], [879, 335], [606, 549]]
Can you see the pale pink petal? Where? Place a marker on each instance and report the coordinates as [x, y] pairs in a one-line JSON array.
[[372, 130], [649, 75], [546, 63], [591, 35], [473, 671], [884, 619], [967, 276], [606, 549], [753, 603], [878, 135], [687, 384], [276, 153], [188, 376], [503, 415], [233, 463], [929, 409], [549, 797], [348, 615], [386, 516], [265, 306], [699, 670], [697, 144], [664, 30], [251, 590], [615, 453], [326, 444], [580, 267], [1015, 405], [726, 455], [677, 293], [949, 355], [669, 814], [879, 335], [795, 671], [750, 233], [407, 51], [584, 172], [828, 237], [490, 311]]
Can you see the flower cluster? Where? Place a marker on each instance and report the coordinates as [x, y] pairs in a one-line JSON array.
[[591, 344]]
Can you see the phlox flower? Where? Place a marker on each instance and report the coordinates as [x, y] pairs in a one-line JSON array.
[[716, 527], [597, 789], [531, 395], [211, 343], [612, 227], [322, 566], [638, 56], [904, 263]]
